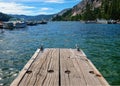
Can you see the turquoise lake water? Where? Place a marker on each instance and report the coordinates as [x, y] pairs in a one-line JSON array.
[[100, 42]]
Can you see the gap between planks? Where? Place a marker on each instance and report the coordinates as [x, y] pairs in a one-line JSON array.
[[67, 61]]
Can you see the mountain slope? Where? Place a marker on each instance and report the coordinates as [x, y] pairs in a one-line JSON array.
[[37, 18], [63, 15], [92, 10], [80, 7], [4, 17]]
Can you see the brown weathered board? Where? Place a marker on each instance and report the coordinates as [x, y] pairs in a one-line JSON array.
[[59, 67]]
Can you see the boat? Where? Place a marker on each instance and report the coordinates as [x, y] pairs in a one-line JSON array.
[[2, 31], [43, 22], [118, 22], [31, 23], [1, 24], [8, 25], [90, 22], [102, 21], [18, 23], [112, 22]]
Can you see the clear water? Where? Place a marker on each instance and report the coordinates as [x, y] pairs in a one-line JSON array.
[[100, 42]]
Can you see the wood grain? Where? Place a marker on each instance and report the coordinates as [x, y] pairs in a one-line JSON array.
[[59, 67]]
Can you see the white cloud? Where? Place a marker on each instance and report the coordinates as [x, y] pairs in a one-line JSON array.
[[54, 1], [46, 1], [45, 9], [14, 8]]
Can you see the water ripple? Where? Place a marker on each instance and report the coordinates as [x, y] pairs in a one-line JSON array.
[[100, 42]]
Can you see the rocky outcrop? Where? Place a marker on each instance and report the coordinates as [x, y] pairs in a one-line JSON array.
[[92, 10], [80, 7], [63, 11]]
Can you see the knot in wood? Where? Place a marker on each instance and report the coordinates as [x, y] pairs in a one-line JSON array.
[[69, 57], [92, 72], [86, 59], [29, 71], [98, 75], [50, 71], [67, 71]]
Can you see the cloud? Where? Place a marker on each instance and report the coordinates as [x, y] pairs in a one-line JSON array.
[[45, 1], [45, 10], [20, 9], [54, 1], [15, 8], [32, 7]]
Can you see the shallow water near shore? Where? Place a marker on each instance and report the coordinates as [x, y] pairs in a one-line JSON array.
[[100, 42]]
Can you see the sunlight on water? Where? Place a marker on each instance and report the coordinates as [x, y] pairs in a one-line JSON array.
[[101, 43]]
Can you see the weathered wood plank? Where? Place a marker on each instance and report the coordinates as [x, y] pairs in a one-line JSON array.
[[86, 69], [30, 76], [97, 73], [22, 73], [71, 75], [46, 74], [91, 74], [52, 78], [59, 67]]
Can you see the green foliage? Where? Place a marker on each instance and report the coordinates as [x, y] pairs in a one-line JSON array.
[[4, 17], [115, 9], [75, 18], [65, 17], [88, 14], [110, 9], [57, 17], [97, 13]]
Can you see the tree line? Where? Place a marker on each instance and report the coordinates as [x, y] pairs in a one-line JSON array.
[[109, 9], [4, 17]]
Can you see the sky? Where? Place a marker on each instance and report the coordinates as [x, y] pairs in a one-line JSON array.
[[35, 7]]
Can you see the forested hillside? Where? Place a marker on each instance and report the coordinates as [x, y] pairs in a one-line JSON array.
[[92, 10], [4, 17]]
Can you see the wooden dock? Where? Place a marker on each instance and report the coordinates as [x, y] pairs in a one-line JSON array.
[[59, 67]]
